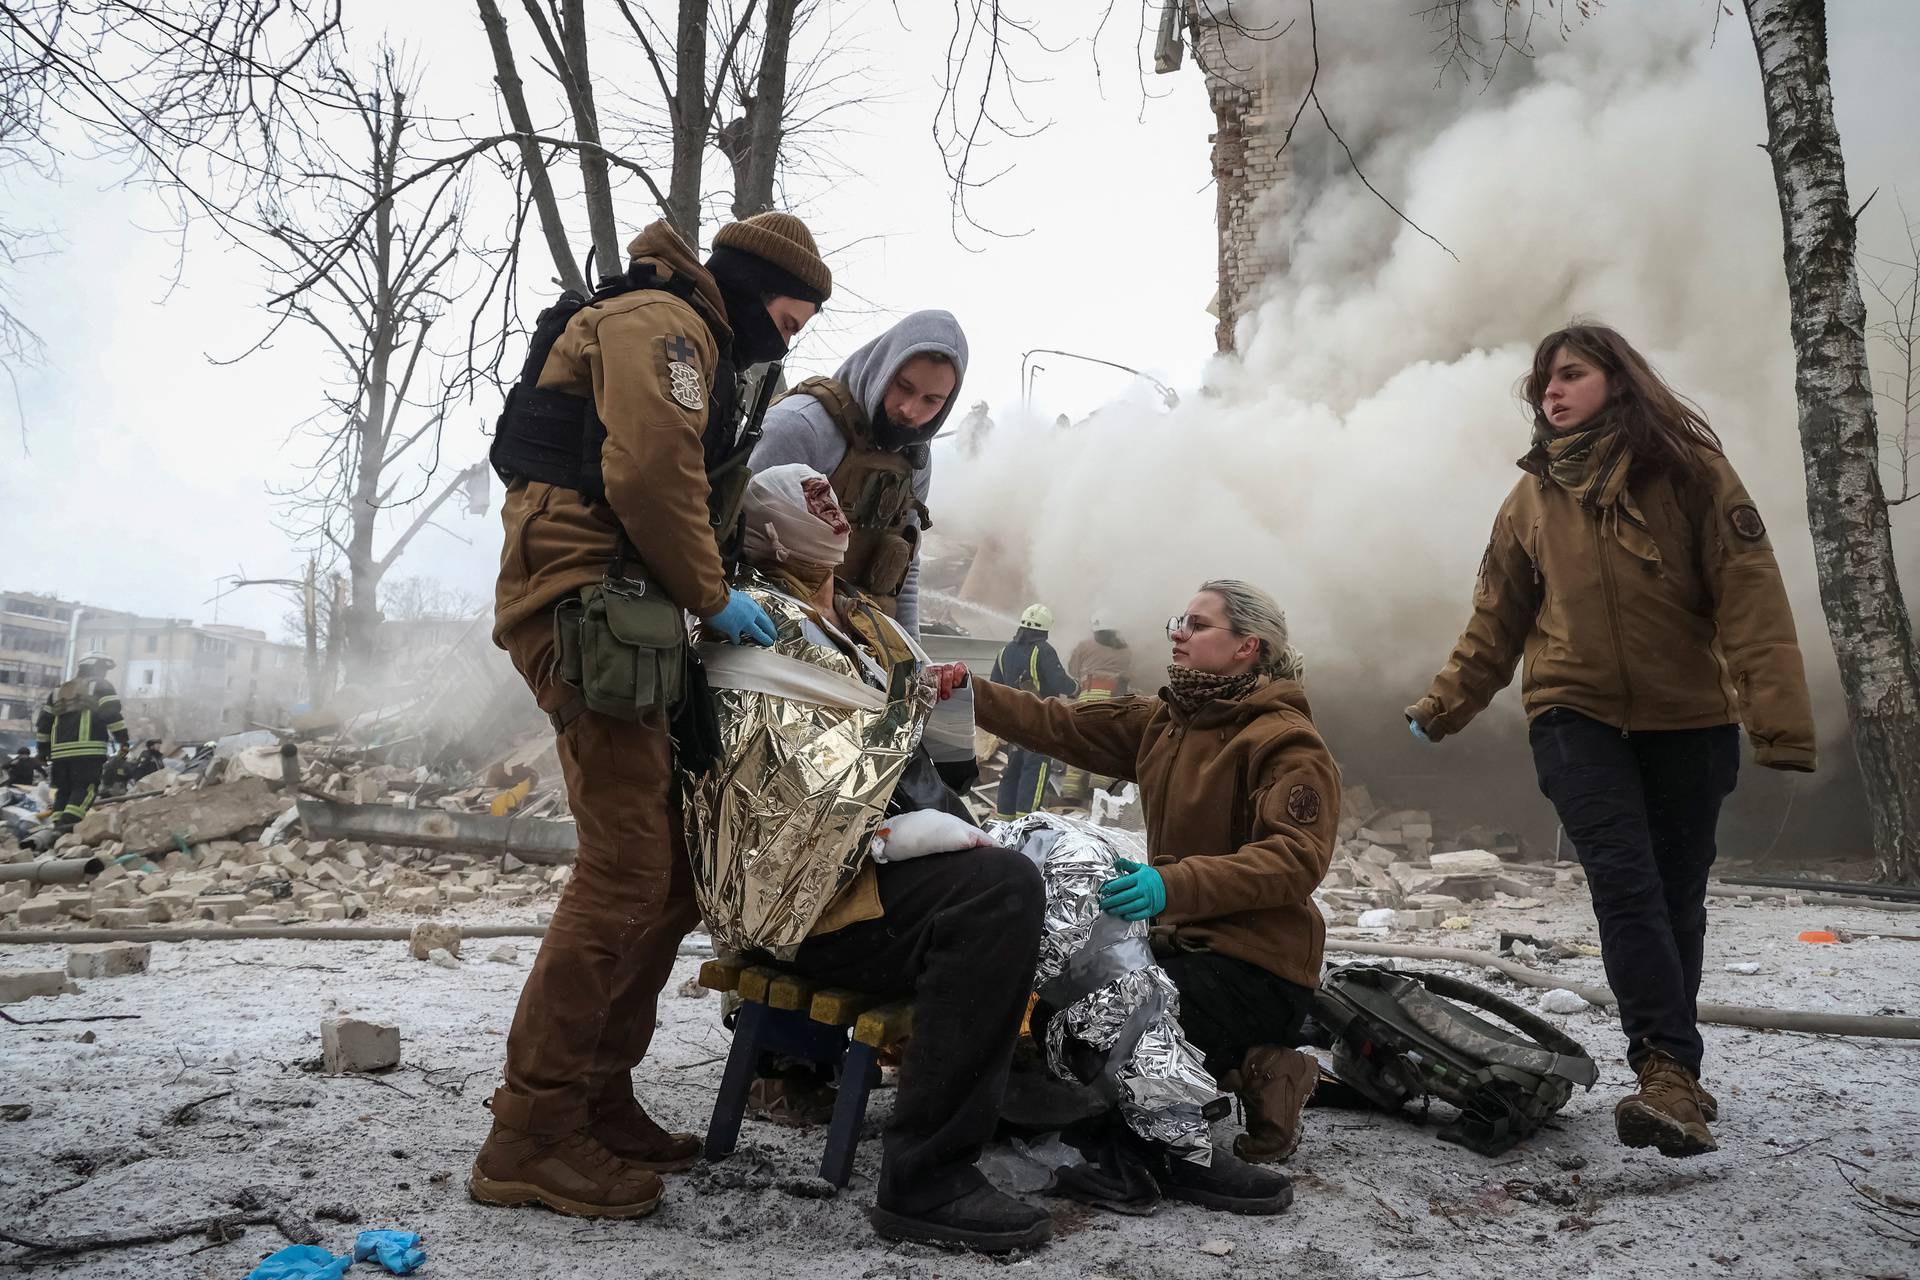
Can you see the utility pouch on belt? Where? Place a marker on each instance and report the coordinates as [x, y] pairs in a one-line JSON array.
[[891, 557], [632, 648]]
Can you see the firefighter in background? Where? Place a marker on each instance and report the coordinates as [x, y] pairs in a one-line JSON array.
[[1030, 663], [75, 723], [1099, 668]]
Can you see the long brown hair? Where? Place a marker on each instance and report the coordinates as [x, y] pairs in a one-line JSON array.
[[1665, 428]]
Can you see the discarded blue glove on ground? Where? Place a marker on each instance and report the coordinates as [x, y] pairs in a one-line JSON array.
[[301, 1262], [397, 1251]]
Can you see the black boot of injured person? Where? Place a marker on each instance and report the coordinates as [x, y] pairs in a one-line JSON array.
[[1130, 1174], [984, 1220]]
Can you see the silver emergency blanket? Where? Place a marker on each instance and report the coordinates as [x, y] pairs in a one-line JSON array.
[[813, 742], [1098, 970]]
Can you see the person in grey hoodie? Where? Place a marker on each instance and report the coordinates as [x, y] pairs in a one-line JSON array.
[[868, 430]]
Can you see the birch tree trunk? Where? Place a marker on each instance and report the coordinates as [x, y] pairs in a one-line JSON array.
[[1853, 551]]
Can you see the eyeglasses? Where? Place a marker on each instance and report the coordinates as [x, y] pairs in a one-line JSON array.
[[1182, 626]]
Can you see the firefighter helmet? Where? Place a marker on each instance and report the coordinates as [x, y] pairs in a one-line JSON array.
[[1038, 617]]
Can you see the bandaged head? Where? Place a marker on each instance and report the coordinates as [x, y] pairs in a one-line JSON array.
[[794, 525]]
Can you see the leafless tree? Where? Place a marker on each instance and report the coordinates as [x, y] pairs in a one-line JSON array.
[[416, 599], [192, 96], [1867, 616], [376, 306], [1896, 281]]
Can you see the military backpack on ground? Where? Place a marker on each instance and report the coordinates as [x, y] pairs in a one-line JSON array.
[[1401, 1036]]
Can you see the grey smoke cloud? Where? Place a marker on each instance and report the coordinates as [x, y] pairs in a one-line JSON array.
[[1353, 459]]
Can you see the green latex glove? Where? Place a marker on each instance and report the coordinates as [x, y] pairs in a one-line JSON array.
[[1139, 894]]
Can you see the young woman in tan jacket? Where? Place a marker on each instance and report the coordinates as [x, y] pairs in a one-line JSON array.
[[1631, 574]]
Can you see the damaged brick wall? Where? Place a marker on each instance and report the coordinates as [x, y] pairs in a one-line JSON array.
[[1250, 177]]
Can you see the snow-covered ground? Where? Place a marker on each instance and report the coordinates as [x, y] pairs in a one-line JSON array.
[[1377, 1196]]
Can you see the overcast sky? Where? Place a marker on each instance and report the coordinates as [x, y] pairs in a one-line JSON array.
[[146, 464], [145, 471]]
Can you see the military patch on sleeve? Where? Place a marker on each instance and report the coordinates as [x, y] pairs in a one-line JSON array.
[[1745, 519], [683, 380], [1303, 804]]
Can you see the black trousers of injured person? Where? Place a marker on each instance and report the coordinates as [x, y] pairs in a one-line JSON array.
[[1641, 810], [960, 935]]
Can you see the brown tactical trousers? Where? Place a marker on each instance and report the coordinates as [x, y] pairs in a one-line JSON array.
[[586, 1014]]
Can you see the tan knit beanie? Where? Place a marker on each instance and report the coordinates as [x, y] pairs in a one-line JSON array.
[[784, 241]]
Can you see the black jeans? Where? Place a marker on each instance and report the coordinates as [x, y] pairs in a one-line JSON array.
[[1229, 1005], [960, 935], [1641, 811]]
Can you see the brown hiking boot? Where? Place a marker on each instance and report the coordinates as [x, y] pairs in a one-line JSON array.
[[625, 1128], [1709, 1105], [1665, 1113], [569, 1173], [1273, 1084]]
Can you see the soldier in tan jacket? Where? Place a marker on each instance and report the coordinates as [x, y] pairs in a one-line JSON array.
[[657, 364], [1630, 575]]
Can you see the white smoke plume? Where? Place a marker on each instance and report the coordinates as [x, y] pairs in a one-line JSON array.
[[1352, 460]]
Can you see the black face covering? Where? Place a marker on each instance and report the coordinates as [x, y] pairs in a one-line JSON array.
[[889, 434], [746, 282], [756, 339]]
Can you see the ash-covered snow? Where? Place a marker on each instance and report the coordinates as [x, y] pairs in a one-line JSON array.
[[1376, 1195]]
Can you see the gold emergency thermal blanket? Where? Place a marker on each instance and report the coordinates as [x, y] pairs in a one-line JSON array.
[[1099, 972], [812, 746]]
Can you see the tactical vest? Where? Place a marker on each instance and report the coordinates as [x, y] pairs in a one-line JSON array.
[[875, 489], [555, 437]]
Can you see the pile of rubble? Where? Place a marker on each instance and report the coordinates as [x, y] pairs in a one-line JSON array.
[[1389, 871], [250, 884], [223, 844]]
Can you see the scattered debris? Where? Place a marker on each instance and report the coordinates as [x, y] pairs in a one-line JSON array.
[[1561, 1000], [348, 1045], [443, 957], [32, 983], [430, 936], [506, 953], [108, 959], [1216, 1248]]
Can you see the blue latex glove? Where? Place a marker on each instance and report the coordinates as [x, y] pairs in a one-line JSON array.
[[301, 1262], [1140, 894], [743, 620], [1413, 727], [397, 1251]]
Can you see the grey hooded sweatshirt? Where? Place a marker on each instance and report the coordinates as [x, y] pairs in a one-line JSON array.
[[799, 430]]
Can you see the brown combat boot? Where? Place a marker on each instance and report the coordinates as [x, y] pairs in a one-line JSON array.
[[1709, 1105], [624, 1128], [571, 1173], [1273, 1084], [1665, 1113]]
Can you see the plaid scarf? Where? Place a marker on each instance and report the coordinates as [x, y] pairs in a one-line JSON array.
[[1593, 465], [1188, 690]]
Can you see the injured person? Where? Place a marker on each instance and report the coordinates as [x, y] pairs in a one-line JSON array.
[[825, 838], [1241, 799]]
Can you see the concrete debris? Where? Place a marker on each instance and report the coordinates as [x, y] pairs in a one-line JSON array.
[[1378, 918], [1561, 1000], [30, 983], [443, 957], [506, 953], [430, 936], [108, 959], [350, 1045], [153, 824]]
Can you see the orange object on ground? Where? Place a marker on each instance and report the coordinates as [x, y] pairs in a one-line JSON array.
[[1818, 935]]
